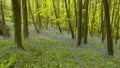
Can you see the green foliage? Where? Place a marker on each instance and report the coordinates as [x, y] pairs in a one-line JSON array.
[[41, 52]]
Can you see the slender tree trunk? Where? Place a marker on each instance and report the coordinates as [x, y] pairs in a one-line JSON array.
[[25, 18], [76, 16], [75, 9], [46, 23], [57, 16], [69, 22], [94, 8], [109, 36], [86, 21], [2, 12], [38, 19], [79, 37], [32, 17], [116, 22], [102, 25], [117, 32]]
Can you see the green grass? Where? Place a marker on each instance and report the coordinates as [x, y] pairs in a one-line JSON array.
[[41, 52]]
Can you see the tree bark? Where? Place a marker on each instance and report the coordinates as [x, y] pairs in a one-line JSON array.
[[17, 22], [2, 12], [86, 21], [103, 34], [109, 36], [25, 19], [4, 29], [79, 37]]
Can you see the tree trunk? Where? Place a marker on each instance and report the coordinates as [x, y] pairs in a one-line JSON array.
[[94, 8], [86, 21], [17, 22], [4, 30], [117, 32], [32, 17], [75, 9], [109, 36], [79, 37], [38, 19], [25, 19], [69, 22], [57, 16], [2, 12], [102, 25]]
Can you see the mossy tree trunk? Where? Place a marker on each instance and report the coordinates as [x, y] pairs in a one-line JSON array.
[[75, 11], [109, 36], [17, 22], [86, 21], [76, 16], [103, 32], [117, 23], [79, 35], [2, 12], [25, 19]]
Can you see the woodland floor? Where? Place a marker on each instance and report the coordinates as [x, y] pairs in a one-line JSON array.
[[50, 49]]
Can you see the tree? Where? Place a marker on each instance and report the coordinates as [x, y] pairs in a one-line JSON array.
[[69, 17], [117, 18], [2, 12], [38, 18], [25, 19], [3, 29], [79, 35], [107, 19], [86, 21], [16, 7], [93, 21], [32, 16], [57, 14], [75, 10], [103, 32]]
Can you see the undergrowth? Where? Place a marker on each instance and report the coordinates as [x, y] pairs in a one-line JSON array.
[[41, 52]]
